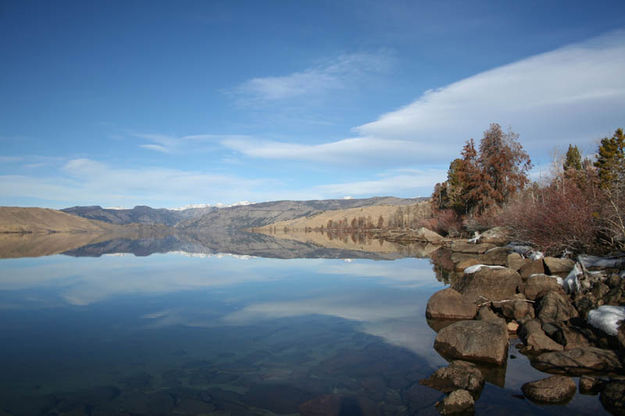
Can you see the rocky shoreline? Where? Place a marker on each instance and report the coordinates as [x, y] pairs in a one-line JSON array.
[[568, 315]]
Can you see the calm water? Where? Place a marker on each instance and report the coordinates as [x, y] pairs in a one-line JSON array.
[[223, 334]]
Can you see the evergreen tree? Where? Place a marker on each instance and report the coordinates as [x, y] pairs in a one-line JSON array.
[[611, 160], [573, 159]]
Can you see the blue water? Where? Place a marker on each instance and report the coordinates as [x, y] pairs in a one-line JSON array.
[[228, 335]]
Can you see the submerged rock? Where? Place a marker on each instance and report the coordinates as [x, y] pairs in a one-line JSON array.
[[459, 401], [554, 389], [458, 375], [480, 341], [449, 304], [578, 361]]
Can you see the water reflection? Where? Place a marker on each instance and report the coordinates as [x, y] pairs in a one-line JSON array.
[[198, 332]]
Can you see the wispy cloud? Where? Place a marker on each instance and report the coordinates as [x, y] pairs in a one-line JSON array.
[[415, 182], [573, 94], [180, 144], [360, 150], [341, 72]]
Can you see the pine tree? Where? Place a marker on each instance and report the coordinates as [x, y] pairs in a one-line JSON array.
[[573, 159], [611, 160]]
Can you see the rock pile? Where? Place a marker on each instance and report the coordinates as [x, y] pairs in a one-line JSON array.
[[496, 289]]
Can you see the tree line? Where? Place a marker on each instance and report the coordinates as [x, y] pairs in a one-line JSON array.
[[581, 207]]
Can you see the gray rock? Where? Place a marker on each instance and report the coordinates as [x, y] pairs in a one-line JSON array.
[[458, 375], [449, 304], [579, 361], [555, 307], [535, 339], [613, 397], [489, 284], [554, 389], [538, 285], [479, 341], [459, 401], [558, 267]]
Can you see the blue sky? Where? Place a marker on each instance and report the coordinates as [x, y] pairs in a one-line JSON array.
[[120, 103]]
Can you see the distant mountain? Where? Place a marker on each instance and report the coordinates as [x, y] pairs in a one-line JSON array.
[[265, 213], [139, 214], [238, 216]]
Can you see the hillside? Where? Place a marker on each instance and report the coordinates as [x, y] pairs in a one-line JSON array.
[[43, 220], [139, 214], [262, 214], [389, 214]]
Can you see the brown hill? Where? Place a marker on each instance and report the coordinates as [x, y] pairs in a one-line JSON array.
[[396, 216], [43, 220]]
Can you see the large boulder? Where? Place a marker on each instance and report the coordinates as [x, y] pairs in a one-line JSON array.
[[558, 267], [554, 389], [428, 235], [449, 304], [496, 235], [458, 375], [466, 247], [489, 283], [480, 341], [458, 402], [578, 361], [554, 306], [538, 285], [535, 339]]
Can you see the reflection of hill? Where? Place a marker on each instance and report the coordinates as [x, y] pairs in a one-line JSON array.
[[221, 241], [15, 245], [354, 242], [36, 245]]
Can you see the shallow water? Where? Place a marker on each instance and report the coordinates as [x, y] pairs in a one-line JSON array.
[[225, 334]]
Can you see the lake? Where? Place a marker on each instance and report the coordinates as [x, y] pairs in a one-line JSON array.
[[189, 332]]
